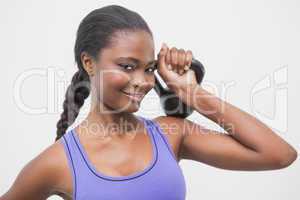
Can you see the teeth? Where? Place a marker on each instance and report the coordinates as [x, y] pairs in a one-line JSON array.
[[134, 96]]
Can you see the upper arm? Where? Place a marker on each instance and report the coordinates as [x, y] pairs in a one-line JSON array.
[[37, 178], [220, 150]]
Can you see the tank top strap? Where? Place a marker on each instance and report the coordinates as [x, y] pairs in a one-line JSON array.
[[70, 152], [159, 135], [75, 161]]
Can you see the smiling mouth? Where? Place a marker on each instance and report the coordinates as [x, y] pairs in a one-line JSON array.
[[134, 96]]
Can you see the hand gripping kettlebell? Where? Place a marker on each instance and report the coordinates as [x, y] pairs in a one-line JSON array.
[[169, 101]]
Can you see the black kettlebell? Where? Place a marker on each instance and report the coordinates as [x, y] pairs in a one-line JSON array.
[[169, 101]]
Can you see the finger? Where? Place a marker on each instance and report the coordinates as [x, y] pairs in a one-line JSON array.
[[181, 60], [174, 61], [168, 60], [189, 57], [188, 60]]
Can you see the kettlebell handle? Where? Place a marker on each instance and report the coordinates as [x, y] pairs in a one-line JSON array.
[[171, 103]]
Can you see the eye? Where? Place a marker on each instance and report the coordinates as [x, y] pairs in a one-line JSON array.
[[126, 66], [151, 69]]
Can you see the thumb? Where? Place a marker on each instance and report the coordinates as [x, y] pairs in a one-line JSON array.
[[167, 75], [162, 58], [162, 65]]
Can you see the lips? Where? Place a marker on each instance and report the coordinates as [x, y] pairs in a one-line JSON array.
[[134, 96]]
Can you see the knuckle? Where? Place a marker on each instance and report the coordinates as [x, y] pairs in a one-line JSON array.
[[174, 54], [190, 53], [173, 49], [175, 62]]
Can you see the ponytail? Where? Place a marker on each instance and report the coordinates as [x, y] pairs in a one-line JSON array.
[[77, 92]]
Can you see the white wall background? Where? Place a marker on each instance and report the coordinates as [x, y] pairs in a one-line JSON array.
[[250, 50]]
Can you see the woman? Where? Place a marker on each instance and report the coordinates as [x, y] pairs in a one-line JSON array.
[[138, 157]]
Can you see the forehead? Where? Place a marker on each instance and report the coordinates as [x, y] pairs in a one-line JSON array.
[[137, 44]]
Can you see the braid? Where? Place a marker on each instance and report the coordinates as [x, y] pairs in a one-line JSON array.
[[77, 92]]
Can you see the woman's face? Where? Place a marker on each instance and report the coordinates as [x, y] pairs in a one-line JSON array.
[[126, 67]]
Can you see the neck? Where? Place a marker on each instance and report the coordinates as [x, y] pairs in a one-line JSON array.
[[104, 122]]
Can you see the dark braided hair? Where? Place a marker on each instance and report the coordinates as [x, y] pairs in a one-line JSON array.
[[94, 33]]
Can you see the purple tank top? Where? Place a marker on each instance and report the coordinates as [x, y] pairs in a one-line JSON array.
[[161, 180]]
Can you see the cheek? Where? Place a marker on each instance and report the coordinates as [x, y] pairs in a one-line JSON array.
[[117, 80], [151, 81], [110, 81]]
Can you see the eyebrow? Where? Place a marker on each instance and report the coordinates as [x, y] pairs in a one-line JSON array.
[[137, 61]]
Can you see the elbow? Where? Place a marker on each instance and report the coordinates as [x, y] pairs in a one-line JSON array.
[[276, 160], [287, 159]]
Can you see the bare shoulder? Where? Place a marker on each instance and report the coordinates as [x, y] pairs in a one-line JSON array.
[[173, 128], [42, 176], [176, 126]]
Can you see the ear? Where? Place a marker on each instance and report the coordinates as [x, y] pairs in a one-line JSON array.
[[88, 63]]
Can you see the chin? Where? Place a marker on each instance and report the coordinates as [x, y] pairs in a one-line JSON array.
[[130, 106], [124, 104], [124, 107]]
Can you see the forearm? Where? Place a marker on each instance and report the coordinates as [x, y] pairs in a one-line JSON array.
[[245, 128]]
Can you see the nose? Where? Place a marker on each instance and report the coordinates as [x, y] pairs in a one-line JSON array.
[[139, 80]]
